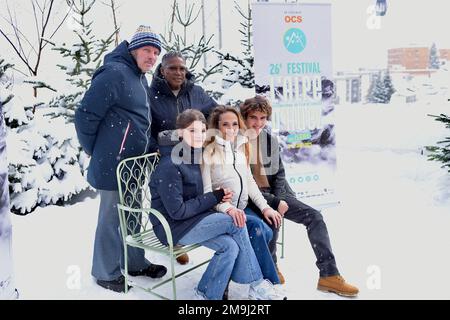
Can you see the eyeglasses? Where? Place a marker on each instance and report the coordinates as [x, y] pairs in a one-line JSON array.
[[177, 68]]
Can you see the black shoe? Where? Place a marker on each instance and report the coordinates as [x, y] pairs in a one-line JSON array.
[[152, 271], [117, 285]]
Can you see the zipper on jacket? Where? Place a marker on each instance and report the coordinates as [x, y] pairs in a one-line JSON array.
[[125, 135], [178, 105], [240, 178], [148, 114]]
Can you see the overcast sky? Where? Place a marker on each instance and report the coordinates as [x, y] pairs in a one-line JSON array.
[[354, 43]]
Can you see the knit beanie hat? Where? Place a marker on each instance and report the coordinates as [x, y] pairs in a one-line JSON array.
[[144, 36]]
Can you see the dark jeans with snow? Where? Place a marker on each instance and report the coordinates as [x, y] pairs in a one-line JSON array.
[[317, 234], [108, 248]]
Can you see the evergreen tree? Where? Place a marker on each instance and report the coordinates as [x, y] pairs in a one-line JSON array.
[[441, 152], [48, 165], [5, 84], [381, 89], [240, 68], [19, 111], [193, 52], [376, 90], [83, 57], [388, 87], [433, 62]]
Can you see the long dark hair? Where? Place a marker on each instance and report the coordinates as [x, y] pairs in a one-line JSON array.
[[188, 116]]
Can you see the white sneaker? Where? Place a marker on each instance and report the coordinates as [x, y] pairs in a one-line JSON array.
[[198, 295], [264, 290]]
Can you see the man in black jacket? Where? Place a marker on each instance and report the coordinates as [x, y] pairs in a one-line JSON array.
[[268, 171]]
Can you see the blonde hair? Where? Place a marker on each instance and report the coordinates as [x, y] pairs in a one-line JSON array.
[[214, 119]]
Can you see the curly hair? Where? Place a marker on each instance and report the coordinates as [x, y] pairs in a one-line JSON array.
[[257, 103]]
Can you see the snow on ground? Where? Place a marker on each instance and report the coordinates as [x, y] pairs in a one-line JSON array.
[[389, 235]]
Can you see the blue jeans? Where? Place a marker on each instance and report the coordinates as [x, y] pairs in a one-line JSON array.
[[260, 235], [233, 259]]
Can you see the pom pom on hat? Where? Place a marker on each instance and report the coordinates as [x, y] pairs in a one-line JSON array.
[[145, 36]]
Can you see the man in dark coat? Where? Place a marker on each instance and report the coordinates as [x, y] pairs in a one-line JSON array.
[[268, 171], [113, 122], [172, 91]]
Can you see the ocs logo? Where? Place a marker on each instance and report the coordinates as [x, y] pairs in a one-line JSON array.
[[293, 19], [294, 40]]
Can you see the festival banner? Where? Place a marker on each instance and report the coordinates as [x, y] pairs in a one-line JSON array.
[[293, 68]]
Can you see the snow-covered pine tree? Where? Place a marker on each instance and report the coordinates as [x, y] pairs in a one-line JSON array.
[[376, 90], [18, 115], [441, 152], [433, 62], [46, 166], [47, 162], [388, 87], [39, 172], [381, 89], [83, 57], [182, 19], [5, 84], [240, 68]]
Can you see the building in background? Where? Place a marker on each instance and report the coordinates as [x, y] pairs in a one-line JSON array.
[[444, 55], [353, 87], [414, 60], [410, 73]]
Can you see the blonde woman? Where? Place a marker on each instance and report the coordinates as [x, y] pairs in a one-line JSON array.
[[226, 165]]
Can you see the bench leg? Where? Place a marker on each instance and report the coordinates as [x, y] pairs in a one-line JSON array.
[[125, 254], [174, 285]]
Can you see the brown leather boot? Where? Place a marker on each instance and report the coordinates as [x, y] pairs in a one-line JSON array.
[[183, 259], [337, 285], [280, 275]]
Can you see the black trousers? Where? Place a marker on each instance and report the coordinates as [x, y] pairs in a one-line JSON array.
[[317, 234]]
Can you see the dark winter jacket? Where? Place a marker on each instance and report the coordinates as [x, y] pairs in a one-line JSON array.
[[279, 187], [166, 106], [113, 119], [177, 192]]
